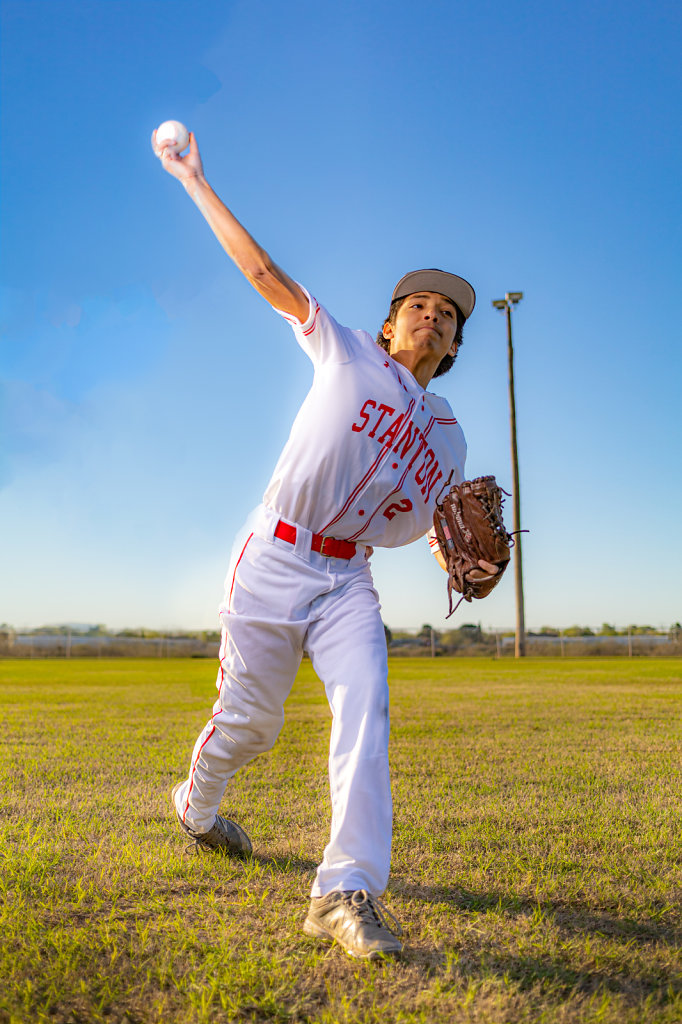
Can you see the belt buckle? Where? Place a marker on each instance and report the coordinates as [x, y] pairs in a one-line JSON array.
[[322, 544]]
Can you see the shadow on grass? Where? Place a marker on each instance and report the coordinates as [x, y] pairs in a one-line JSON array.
[[529, 971], [285, 864], [479, 960], [572, 916], [289, 864]]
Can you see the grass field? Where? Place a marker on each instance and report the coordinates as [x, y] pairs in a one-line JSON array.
[[537, 854]]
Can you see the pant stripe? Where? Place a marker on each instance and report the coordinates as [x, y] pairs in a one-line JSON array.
[[221, 655], [229, 600], [191, 774], [332, 608]]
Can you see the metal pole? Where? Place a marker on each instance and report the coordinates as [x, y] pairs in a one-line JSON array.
[[520, 645]]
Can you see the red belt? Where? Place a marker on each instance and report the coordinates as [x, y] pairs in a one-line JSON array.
[[327, 546]]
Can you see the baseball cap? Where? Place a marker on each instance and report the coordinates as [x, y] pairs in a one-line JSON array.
[[454, 288]]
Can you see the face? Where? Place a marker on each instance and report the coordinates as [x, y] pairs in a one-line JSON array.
[[426, 323]]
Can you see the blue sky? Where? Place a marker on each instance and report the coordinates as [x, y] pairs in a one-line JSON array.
[[146, 391]]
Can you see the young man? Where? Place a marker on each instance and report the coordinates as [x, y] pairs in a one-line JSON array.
[[368, 453]]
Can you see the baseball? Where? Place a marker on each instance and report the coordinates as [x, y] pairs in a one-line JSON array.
[[174, 135]]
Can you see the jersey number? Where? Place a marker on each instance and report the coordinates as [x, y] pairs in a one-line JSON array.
[[398, 506]]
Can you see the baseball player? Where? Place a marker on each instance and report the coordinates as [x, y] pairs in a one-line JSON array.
[[368, 453]]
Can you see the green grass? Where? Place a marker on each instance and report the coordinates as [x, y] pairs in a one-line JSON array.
[[537, 851]]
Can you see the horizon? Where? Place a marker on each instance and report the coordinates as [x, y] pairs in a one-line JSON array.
[[536, 630]]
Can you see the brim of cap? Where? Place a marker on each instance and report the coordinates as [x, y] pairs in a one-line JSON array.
[[452, 287]]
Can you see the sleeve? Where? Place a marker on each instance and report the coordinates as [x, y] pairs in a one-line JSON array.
[[320, 336], [432, 539]]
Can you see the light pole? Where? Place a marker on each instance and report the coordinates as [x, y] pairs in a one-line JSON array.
[[510, 299]]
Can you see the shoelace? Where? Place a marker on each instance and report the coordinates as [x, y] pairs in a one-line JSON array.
[[198, 847], [371, 909]]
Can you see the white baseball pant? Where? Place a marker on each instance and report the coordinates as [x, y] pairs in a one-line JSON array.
[[281, 600]]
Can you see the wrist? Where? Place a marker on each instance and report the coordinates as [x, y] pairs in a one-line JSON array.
[[195, 185]]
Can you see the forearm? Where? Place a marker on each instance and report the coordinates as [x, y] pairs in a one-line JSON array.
[[435, 549], [254, 262], [439, 558]]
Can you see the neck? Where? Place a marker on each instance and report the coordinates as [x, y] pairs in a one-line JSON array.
[[420, 366]]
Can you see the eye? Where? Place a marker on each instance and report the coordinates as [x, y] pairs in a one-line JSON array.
[[448, 312]]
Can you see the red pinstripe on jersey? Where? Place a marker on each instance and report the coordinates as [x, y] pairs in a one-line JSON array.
[[396, 490], [396, 373], [373, 469]]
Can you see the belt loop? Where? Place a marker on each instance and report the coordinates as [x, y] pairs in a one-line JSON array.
[[266, 521], [303, 541]]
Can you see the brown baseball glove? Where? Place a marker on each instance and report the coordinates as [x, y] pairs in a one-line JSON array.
[[472, 537]]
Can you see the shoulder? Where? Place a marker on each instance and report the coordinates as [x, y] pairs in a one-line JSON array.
[[324, 338]]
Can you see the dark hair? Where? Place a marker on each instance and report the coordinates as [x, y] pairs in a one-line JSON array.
[[446, 362]]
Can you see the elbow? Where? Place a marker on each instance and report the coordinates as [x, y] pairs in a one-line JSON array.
[[259, 269]]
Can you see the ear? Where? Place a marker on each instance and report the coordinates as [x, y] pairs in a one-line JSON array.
[[452, 351], [388, 331]]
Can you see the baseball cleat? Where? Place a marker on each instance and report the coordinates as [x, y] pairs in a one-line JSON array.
[[225, 836], [357, 921]]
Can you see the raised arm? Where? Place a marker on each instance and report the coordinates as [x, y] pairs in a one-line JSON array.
[[254, 262]]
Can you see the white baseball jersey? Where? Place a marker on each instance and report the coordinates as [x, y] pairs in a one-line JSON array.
[[369, 450]]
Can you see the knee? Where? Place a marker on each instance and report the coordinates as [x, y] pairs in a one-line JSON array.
[[367, 685], [360, 715], [373, 699], [251, 733], [266, 729]]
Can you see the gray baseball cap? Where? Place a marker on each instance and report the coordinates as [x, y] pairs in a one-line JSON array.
[[454, 288]]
